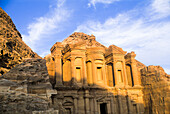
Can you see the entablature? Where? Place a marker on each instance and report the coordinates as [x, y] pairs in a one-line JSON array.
[[55, 46]]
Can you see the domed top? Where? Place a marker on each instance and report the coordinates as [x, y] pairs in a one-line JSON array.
[[77, 37]]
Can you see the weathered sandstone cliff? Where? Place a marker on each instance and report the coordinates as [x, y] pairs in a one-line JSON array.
[[12, 49], [26, 89], [156, 90]]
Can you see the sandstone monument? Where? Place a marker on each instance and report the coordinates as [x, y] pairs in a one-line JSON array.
[[79, 76], [93, 79]]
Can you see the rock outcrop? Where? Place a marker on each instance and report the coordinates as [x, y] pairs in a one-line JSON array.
[[156, 90], [31, 71], [24, 79], [12, 49], [26, 89]]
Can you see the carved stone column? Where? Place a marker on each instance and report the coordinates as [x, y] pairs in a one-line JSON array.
[[75, 105], [108, 108], [110, 75], [130, 108], [91, 106], [58, 70], [95, 106], [81, 104], [131, 58], [115, 74], [98, 108], [120, 102], [51, 71], [89, 73], [94, 72], [73, 76], [87, 102], [104, 73], [84, 72], [124, 73], [135, 73]]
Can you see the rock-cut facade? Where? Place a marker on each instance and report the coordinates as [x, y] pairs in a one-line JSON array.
[[91, 78]]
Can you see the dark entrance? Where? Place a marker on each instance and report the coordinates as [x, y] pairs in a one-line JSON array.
[[68, 110], [103, 108]]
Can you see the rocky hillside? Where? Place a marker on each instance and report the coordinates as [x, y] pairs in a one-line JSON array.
[[13, 50], [26, 89], [156, 90]]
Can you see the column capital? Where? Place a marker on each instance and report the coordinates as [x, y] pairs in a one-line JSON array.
[[58, 56], [72, 58]]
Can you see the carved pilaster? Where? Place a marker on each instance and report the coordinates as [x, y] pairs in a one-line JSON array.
[[87, 102], [130, 57], [125, 75], [75, 106], [73, 76], [58, 70], [115, 74], [81, 107], [135, 73], [94, 72], [95, 106], [84, 71], [104, 73]]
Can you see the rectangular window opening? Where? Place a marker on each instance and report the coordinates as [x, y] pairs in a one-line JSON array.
[[77, 67], [120, 75], [78, 74], [99, 73], [99, 67]]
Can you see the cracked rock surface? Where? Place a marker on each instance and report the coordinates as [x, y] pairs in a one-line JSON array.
[[26, 89], [13, 50]]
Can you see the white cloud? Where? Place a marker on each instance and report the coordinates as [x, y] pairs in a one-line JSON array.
[[94, 2], [150, 39], [46, 25], [159, 8]]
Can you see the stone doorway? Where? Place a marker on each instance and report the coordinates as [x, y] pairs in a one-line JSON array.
[[68, 110], [103, 108]]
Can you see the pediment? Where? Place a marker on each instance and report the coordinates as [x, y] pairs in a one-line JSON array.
[[68, 103], [66, 48], [101, 99], [115, 49]]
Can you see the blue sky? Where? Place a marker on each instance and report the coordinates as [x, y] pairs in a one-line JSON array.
[[142, 26]]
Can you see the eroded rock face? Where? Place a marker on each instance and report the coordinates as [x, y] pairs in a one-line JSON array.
[[26, 89], [31, 76], [12, 49], [31, 71], [15, 103], [24, 84], [156, 90]]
